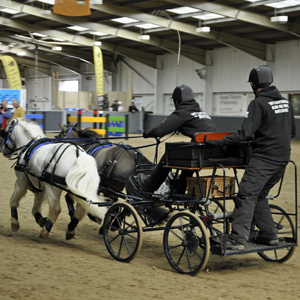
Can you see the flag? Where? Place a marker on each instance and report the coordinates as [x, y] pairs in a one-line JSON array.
[[12, 72], [71, 8], [98, 63]]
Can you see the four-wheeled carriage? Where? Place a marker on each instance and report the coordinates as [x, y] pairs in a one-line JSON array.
[[197, 228]]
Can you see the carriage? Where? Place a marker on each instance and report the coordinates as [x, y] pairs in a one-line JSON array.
[[199, 218], [194, 224]]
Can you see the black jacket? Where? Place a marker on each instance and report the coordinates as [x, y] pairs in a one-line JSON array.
[[187, 119], [105, 103], [270, 117], [132, 108]]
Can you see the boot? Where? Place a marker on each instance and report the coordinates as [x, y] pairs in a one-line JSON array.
[[151, 183], [180, 185], [148, 183]]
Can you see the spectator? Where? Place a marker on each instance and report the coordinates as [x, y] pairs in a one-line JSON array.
[[132, 108], [120, 107], [19, 110], [5, 114], [105, 102], [115, 105]]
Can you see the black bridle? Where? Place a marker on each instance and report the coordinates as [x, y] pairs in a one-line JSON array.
[[9, 139], [64, 133]]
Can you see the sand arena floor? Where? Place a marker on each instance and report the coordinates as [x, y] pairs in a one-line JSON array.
[[81, 268]]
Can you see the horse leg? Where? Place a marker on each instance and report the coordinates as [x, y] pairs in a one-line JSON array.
[[36, 209], [70, 205], [19, 192], [78, 216], [53, 195]]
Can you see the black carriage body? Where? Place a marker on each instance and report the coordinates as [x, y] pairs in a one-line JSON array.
[[198, 155]]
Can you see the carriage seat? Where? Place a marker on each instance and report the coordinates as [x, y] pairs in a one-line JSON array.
[[196, 154]]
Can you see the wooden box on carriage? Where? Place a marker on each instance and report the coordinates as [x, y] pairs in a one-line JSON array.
[[217, 189]]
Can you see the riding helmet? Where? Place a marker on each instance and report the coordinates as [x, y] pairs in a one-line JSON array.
[[182, 93], [261, 76]]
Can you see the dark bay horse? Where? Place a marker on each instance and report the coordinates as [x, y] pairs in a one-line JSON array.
[[116, 162]]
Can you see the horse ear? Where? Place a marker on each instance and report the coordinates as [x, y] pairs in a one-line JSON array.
[[62, 127], [76, 126]]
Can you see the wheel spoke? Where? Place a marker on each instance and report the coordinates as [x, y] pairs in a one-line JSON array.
[[120, 248], [188, 258], [127, 246], [111, 240], [179, 237], [180, 257], [195, 251]]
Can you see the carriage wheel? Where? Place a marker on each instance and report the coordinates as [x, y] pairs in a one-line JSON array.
[[122, 232], [285, 228], [186, 243], [216, 227]]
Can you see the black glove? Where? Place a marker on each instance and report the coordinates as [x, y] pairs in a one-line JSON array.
[[145, 134], [212, 143]]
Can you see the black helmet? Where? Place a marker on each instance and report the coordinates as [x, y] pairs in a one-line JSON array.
[[182, 93], [261, 76]]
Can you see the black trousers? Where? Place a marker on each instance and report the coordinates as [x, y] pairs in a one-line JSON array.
[[251, 203]]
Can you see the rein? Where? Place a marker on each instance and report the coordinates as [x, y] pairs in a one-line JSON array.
[[91, 140]]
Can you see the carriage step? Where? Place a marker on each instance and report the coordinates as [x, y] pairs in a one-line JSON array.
[[217, 246]]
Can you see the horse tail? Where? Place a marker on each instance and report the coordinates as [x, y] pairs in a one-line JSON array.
[[83, 180]]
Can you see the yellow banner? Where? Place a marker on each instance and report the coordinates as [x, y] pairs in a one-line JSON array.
[[98, 63], [72, 8], [12, 72]]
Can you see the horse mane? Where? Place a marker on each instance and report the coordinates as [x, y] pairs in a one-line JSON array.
[[32, 129], [87, 133]]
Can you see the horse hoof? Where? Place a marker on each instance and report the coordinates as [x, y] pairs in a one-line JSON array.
[[44, 233], [15, 225], [42, 222], [70, 234]]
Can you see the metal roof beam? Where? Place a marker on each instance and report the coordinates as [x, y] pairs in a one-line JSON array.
[[240, 15], [148, 59], [190, 52], [254, 48], [30, 64]]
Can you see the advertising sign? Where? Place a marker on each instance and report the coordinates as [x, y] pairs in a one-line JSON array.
[[230, 104]]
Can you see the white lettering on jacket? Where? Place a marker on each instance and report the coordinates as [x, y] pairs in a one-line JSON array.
[[200, 115], [280, 106]]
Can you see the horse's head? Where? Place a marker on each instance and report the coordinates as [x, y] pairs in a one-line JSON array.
[[73, 132], [9, 143], [67, 132], [18, 134]]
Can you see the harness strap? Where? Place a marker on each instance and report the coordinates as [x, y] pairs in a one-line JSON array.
[[109, 167], [26, 171], [54, 154]]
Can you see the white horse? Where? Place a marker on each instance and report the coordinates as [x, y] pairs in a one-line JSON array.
[[47, 169]]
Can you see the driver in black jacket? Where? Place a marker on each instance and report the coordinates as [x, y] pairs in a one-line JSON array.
[[270, 119], [188, 118]]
